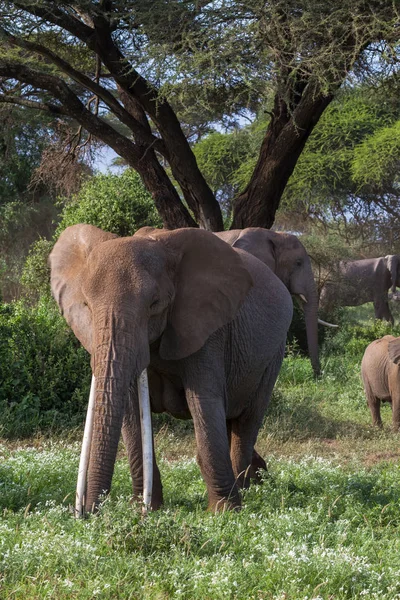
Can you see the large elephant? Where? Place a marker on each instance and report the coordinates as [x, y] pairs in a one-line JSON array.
[[361, 281], [380, 372], [191, 310], [288, 259]]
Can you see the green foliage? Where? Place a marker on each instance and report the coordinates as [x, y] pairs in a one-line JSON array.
[[20, 225], [323, 172], [219, 156], [116, 203], [352, 339], [376, 159], [44, 372], [23, 136], [36, 272]]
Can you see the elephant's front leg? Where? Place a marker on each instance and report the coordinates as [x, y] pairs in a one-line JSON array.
[[209, 418], [396, 409], [203, 377], [131, 433]]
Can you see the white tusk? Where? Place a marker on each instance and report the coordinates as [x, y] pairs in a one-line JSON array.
[[147, 439], [85, 453], [302, 296], [321, 322]]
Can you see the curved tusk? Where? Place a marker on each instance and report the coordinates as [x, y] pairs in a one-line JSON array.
[[85, 453], [302, 296], [321, 322], [147, 439]]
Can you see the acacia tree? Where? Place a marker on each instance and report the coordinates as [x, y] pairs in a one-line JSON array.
[[144, 63]]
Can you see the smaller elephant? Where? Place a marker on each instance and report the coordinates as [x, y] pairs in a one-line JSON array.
[[361, 281], [380, 372]]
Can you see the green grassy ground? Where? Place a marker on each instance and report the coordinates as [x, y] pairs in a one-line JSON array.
[[324, 524]]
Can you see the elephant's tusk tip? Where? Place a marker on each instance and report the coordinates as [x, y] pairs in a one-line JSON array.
[[326, 324], [302, 296]]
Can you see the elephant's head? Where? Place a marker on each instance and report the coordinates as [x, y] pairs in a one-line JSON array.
[[286, 256], [119, 295], [393, 264]]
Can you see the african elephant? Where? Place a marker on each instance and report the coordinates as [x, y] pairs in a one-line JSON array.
[[380, 373], [361, 281], [191, 310], [288, 259]]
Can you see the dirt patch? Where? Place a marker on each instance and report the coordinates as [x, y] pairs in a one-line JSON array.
[[377, 457], [331, 443]]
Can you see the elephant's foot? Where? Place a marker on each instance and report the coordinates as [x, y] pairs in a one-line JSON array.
[[155, 504], [223, 504], [252, 472], [257, 464], [217, 504], [156, 496]]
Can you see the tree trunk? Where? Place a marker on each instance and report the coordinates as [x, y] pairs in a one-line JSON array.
[[284, 141]]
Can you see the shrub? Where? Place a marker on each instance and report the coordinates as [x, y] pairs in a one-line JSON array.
[[36, 272], [44, 372], [116, 203], [351, 339]]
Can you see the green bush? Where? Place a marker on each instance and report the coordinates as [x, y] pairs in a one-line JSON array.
[[116, 203], [352, 339], [44, 372], [36, 272]]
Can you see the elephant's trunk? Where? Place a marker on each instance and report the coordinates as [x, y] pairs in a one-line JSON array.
[[311, 319], [114, 364]]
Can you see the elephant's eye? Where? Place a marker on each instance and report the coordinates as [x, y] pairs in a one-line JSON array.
[[299, 262], [154, 303]]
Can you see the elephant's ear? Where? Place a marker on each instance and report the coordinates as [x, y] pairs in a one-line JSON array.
[[261, 243], [394, 351], [211, 282], [392, 263], [67, 265]]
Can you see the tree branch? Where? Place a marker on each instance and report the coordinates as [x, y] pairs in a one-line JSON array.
[[183, 164], [141, 134], [50, 12], [43, 106]]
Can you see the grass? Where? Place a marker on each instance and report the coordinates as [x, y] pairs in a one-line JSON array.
[[324, 524]]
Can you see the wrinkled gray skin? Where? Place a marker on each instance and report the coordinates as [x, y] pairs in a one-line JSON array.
[[361, 281], [194, 312], [380, 372], [288, 259]]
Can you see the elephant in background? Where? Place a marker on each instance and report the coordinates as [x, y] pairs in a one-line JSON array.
[[361, 281], [286, 256], [380, 372], [194, 312]]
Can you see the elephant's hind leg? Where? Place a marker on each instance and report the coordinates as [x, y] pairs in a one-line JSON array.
[[382, 311], [244, 430], [374, 404]]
